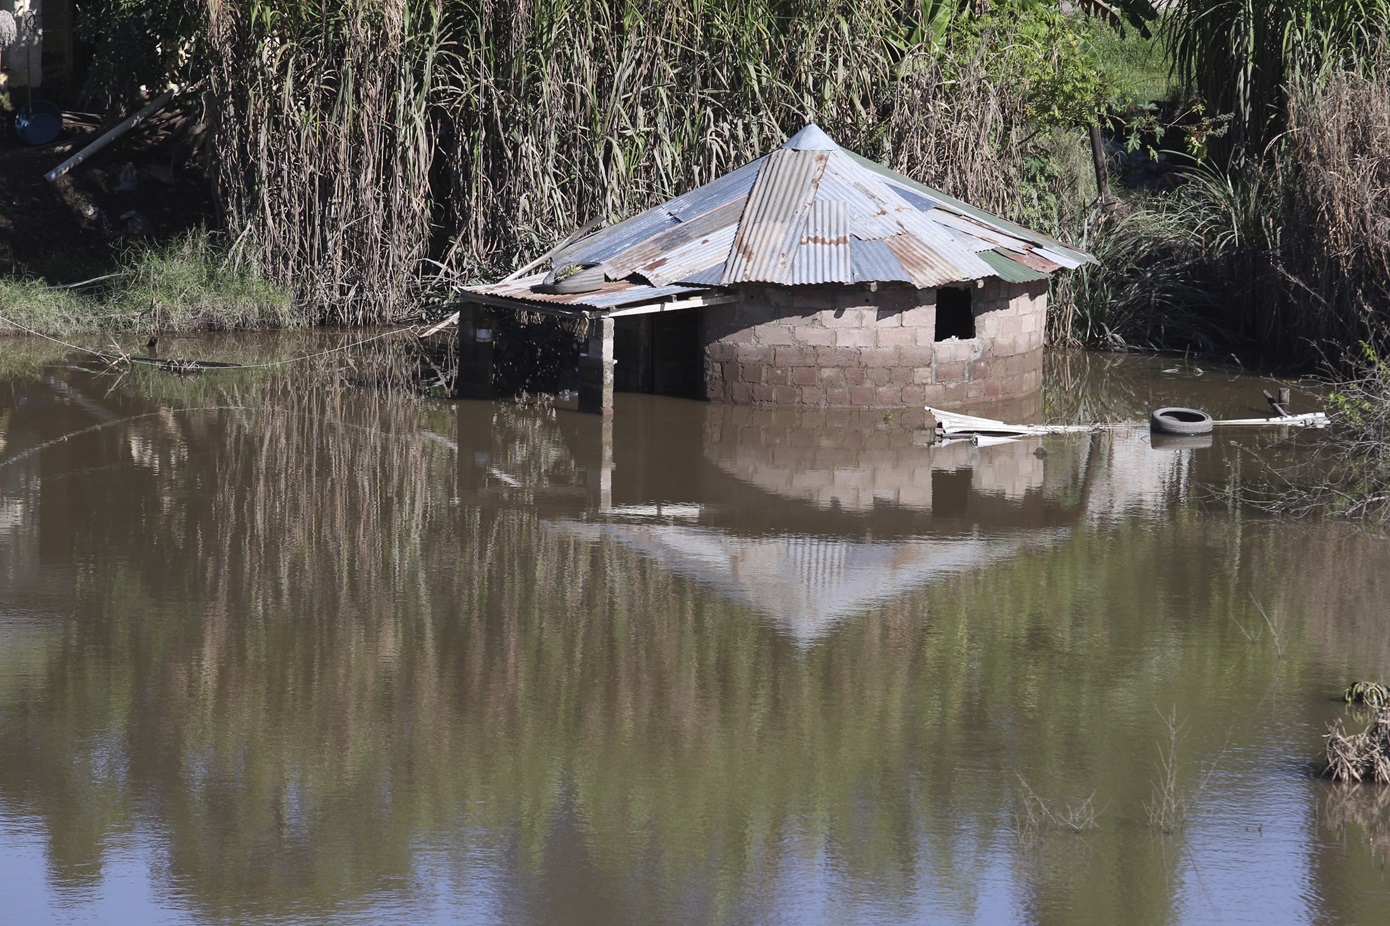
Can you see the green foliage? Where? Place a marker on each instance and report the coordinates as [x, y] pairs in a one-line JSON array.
[[1371, 694], [141, 44], [1241, 57], [489, 132]]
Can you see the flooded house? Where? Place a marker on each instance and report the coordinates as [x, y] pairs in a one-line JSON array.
[[808, 277]]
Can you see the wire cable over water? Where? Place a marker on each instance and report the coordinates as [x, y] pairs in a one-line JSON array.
[[183, 365]]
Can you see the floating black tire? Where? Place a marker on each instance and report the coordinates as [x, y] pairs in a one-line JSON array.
[[1180, 421]]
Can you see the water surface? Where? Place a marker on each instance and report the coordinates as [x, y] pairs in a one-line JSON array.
[[300, 645]]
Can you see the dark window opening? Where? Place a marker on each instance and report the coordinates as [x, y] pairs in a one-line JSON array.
[[954, 317], [950, 492]]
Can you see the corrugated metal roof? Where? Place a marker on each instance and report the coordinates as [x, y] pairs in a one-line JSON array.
[[1011, 270], [875, 262], [610, 296], [810, 212], [770, 229]]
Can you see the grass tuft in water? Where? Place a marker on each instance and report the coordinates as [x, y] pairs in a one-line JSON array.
[[179, 286]]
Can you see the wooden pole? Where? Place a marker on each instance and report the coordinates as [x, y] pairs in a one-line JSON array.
[[1102, 169]]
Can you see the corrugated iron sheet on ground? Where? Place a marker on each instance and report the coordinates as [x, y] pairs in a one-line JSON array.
[[808, 213]]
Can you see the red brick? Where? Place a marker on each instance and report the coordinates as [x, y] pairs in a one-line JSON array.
[[914, 395], [742, 393], [762, 393], [832, 376], [812, 395], [854, 376], [750, 373], [861, 395], [879, 376], [778, 376], [837, 396], [804, 376], [903, 376]]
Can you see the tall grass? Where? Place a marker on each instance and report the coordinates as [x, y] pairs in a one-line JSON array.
[[378, 147], [323, 144], [1243, 57], [1290, 254], [185, 284]]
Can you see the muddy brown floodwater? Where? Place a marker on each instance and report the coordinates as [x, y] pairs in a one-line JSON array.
[[296, 646]]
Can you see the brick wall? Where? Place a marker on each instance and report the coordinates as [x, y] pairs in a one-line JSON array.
[[853, 346]]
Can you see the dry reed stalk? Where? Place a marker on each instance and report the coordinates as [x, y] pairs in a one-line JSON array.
[[372, 136], [1360, 756]]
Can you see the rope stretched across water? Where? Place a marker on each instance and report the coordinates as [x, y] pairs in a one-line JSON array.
[[205, 365]]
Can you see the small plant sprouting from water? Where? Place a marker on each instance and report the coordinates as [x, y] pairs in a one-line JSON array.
[[1371, 694], [1168, 810], [1033, 815]]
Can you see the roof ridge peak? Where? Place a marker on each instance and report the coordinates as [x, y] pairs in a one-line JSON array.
[[811, 138]]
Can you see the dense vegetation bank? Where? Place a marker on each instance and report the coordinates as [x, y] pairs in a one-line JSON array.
[[366, 156]]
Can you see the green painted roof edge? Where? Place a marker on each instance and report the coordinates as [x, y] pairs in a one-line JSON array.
[[1014, 228], [1011, 270]]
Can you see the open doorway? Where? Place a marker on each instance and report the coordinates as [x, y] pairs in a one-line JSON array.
[[659, 354]]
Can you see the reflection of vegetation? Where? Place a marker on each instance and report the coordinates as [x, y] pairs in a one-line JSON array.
[[298, 662]]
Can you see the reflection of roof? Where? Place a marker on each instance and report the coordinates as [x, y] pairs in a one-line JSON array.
[[807, 584], [809, 212]]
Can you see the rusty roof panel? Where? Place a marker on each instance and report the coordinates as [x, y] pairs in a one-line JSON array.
[[780, 197], [810, 212], [992, 237], [902, 183], [1063, 257], [690, 259], [710, 276], [1030, 258], [661, 244], [1011, 270], [875, 262], [926, 268], [944, 250], [823, 253]]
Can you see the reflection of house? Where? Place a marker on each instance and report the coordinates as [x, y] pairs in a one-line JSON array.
[[809, 277], [806, 585], [807, 516]]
